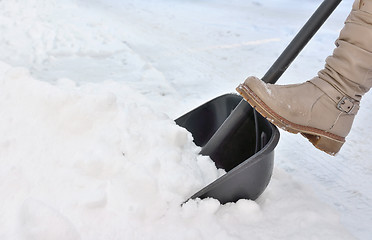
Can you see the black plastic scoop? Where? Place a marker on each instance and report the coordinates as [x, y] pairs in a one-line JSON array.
[[237, 138]]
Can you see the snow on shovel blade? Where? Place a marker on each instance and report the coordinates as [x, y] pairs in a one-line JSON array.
[[247, 153]]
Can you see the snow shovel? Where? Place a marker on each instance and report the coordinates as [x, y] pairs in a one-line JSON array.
[[238, 139]]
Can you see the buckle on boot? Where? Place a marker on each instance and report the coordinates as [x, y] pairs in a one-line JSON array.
[[346, 105]]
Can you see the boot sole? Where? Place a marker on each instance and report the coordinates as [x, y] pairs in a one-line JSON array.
[[325, 141]]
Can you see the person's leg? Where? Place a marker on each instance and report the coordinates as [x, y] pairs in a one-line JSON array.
[[323, 109]]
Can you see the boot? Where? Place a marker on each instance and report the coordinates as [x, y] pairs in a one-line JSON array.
[[323, 108]]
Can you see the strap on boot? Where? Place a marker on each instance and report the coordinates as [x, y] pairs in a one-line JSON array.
[[343, 102]]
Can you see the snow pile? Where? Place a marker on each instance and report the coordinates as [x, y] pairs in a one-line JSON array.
[[82, 150]]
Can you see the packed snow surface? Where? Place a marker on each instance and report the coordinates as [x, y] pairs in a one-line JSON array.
[[88, 146]]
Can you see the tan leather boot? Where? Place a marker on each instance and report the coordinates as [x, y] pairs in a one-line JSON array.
[[323, 109]]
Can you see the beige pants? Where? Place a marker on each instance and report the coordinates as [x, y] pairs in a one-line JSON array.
[[349, 69]]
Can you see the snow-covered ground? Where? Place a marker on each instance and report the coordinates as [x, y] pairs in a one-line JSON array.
[[88, 146]]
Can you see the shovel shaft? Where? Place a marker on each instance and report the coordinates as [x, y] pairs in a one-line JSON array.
[[231, 125], [300, 40]]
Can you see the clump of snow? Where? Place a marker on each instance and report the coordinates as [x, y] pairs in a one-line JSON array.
[[81, 150]]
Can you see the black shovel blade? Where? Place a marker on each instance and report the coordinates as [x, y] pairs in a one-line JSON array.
[[247, 154], [237, 138]]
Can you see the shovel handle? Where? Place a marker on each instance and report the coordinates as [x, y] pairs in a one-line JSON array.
[[300, 40]]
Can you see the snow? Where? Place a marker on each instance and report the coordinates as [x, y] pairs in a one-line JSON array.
[[89, 148]]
